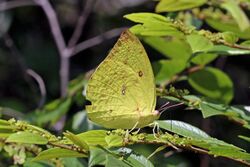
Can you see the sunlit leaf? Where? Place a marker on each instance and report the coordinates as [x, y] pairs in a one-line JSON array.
[[57, 153], [228, 25], [225, 50], [183, 129], [173, 48], [199, 43], [237, 13], [76, 140], [94, 137], [152, 25], [176, 5], [27, 137], [245, 138], [114, 140]]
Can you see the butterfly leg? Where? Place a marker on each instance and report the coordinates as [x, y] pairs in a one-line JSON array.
[[126, 137], [134, 127], [157, 128]]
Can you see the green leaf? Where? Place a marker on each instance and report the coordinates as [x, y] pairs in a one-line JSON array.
[[228, 25], [244, 138], [159, 149], [52, 111], [245, 43], [81, 123], [5, 135], [230, 37], [114, 140], [76, 140], [4, 122], [97, 157], [225, 50], [183, 129], [203, 58], [229, 152], [37, 164], [74, 162], [57, 153], [240, 17], [27, 137], [133, 158], [94, 137], [147, 18], [166, 69], [152, 25], [113, 162], [171, 47], [209, 109], [212, 83], [176, 5], [199, 43]]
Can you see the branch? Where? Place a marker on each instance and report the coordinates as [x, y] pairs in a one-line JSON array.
[[41, 85], [81, 23], [60, 43], [97, 40], [54, 25]]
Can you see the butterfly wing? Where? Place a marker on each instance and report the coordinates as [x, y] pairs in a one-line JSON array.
[[122, 89]]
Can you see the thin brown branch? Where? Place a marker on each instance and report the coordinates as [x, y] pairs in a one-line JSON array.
[[15, 4], [68, 147], [97, 40], [60, 43], [237, 46], [41, 85], [81, 23], [54, 25]]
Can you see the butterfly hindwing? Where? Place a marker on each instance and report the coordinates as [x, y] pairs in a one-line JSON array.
[[122, 88]]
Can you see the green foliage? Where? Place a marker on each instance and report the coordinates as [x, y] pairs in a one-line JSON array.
[[57, 153], [186, 54], [172, 5], [237, 13], [212, 83]]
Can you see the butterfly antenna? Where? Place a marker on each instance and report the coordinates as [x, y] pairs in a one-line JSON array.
[[166, 107]]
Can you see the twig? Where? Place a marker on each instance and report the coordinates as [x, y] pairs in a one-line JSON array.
[[81, 23], [41, 85], [97, 40], [237, 46], [14, 4], [60, 43], [64, 51]]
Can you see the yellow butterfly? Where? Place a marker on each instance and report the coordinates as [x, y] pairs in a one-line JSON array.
[[122, 89]]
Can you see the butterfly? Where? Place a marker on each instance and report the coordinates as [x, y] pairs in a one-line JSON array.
[[122, 89]]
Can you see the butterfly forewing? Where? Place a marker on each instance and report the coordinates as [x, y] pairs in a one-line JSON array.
[[122, 88]]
